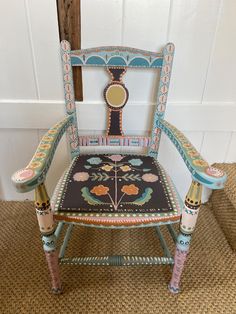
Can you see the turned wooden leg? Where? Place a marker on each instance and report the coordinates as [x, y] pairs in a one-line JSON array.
[[187, 225], [46, 226]]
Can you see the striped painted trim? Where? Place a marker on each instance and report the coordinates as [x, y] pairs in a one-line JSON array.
[[116, 222], [142, 141]]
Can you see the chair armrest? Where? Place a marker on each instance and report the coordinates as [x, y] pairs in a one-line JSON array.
[[208, 176], [34, 173]]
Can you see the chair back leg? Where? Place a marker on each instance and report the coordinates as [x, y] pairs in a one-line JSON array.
[[187, 225]]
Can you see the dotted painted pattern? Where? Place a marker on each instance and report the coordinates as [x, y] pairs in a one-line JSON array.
[[118, 219], [168, 54], [34, 173], [116, 56], [199, 168], [72, 132]]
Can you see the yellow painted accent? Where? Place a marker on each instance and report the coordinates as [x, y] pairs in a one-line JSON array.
[[46, 223], [194, 194], [41, 195], [116, 95]]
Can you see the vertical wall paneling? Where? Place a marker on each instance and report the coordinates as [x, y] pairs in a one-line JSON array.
[[34, 66], [231, 153], [60, 163], [92, 116], [171, 160], [202, 116], [17, 149], [16, 65], [215, 146], [220, 84], [101, 24], [69, 18], [95, 116], [43, 28], [192, 29], [145, 26]]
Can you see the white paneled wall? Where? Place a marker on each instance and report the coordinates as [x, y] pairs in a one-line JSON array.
[[202, 99], [192, 29]]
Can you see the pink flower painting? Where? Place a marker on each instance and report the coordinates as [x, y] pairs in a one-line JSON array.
[[116, 157], [81, 176], [149, 177]]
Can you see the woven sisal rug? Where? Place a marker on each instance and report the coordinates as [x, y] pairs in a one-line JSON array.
[[208, 285], [223, 204]]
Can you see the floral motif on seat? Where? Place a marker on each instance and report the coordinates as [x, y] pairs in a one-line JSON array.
[[116, 184]]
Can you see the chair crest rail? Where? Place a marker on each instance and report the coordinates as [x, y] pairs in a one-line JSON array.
[[116, 56]]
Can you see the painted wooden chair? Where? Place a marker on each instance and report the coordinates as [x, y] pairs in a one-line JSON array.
[[110, 190]]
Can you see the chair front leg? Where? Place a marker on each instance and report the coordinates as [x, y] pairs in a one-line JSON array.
[[187, 225], [46, 226]]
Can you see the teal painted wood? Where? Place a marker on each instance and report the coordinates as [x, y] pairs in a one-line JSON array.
[[172, 232], [49, 242], [163, 242], [72, 132], [59, 229], [117, 260], [201, 172], [35, 172], [168, 56], [116, 56], [66, 240]]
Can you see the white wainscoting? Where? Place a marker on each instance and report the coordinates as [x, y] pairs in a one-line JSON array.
[[202, 98]]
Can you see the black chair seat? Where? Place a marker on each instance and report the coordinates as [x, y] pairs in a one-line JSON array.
[[120, 189]]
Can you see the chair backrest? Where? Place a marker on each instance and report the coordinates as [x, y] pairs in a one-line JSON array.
[[116, 60]]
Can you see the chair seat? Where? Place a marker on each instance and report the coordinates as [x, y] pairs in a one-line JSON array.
[[116, 190]]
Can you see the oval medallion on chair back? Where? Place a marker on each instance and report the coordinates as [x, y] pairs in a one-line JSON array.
[[116, 96], [116, 60]]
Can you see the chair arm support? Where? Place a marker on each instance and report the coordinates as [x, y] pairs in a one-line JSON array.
[[34, 173], [201, 171]]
